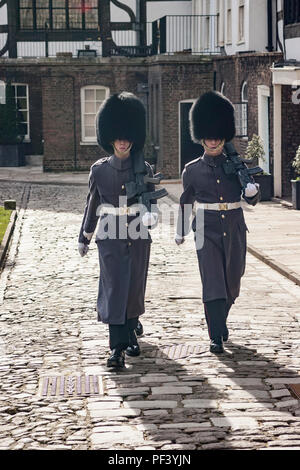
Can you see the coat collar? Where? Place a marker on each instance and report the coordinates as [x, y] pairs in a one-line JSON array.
[[120, 164], [214, 161]]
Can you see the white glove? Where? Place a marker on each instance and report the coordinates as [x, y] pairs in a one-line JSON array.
[[179, 240], [83, 249], [251, 190], [149, 219]]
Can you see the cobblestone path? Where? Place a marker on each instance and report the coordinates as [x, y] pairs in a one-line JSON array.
[[168, 398]]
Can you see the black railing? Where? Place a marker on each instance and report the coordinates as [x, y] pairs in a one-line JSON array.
[[171, 34]]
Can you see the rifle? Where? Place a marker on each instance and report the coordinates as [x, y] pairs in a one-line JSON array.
[[236, 165], [139, 186]]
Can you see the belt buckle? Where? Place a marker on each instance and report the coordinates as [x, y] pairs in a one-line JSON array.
[[223, 206], [124, 210]]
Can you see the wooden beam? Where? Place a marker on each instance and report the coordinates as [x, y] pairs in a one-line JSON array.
[[12, 27]]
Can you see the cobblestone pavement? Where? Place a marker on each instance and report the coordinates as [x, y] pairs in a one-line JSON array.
[[166, 398]]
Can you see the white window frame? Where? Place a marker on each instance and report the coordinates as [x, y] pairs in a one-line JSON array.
[[243, 99], [222, 88], [229, 23], [2, 92], [241, 22], [27, 136], [84, 139]]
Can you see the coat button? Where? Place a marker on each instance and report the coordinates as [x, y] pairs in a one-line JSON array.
[[129, 244], [218, 181], [123, 187], [224, 234], [223, 216], [127, 224], [221, 198]]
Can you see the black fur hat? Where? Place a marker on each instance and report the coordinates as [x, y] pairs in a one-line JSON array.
[[121, 116], [212, 117]]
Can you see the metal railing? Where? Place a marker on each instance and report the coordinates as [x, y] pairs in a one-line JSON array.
[[195, 34]]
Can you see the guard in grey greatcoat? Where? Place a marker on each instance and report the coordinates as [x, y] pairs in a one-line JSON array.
[[122, 236], [211, 184]]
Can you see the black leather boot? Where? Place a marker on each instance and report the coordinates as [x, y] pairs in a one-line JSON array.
[[133, 349], [225, 334], [139, 329], [216, 346], [117, 358]]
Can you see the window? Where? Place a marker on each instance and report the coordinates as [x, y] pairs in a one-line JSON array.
[[58, 14], [241, 113], [241, 21], [22, 100], [291, 11], [244, 93], [229, 23], [91, 99]]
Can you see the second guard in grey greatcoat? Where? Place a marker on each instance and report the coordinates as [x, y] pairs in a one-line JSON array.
[[211, 184]]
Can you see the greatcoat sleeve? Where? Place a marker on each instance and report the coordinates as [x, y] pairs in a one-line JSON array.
[[186, 202], [91, 215]]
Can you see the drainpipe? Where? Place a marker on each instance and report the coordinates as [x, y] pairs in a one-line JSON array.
[[270, 47]]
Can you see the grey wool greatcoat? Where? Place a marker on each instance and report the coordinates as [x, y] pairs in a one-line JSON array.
[[123, 260], [222, 257]]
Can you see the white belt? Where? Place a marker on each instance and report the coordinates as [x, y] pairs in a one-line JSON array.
[[222, 206], [123, 210]]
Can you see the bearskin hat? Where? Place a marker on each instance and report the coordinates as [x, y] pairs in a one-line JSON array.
[[212, 117], [122, 116]]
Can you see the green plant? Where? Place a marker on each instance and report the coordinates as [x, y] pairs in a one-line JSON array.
[[10, 120], [296, 163], [255, 149]]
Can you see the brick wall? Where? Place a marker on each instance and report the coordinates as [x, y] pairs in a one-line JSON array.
[[291, 136], [176, 79], [255, 69]]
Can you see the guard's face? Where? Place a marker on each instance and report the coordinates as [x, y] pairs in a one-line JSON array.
[[122, 146], [213, 146]]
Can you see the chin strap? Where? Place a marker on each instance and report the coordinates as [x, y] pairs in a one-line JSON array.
[[219, 147]]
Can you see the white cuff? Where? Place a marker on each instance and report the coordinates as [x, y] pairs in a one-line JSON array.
[[88, 235]]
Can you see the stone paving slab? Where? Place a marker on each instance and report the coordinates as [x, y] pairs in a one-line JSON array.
[[48, 326]]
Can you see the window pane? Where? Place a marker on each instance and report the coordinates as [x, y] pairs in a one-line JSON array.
[[25, 3], [26, 19], [90, 107], [89, 119], [58, 3], [23, 115], [90, 131], [91, 19], [89, 95], [22, 103], [100, 95], [74, 3], [59, 19], [21, 91], [42, 17], [98, 104], [42, 3], [75, 18]]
